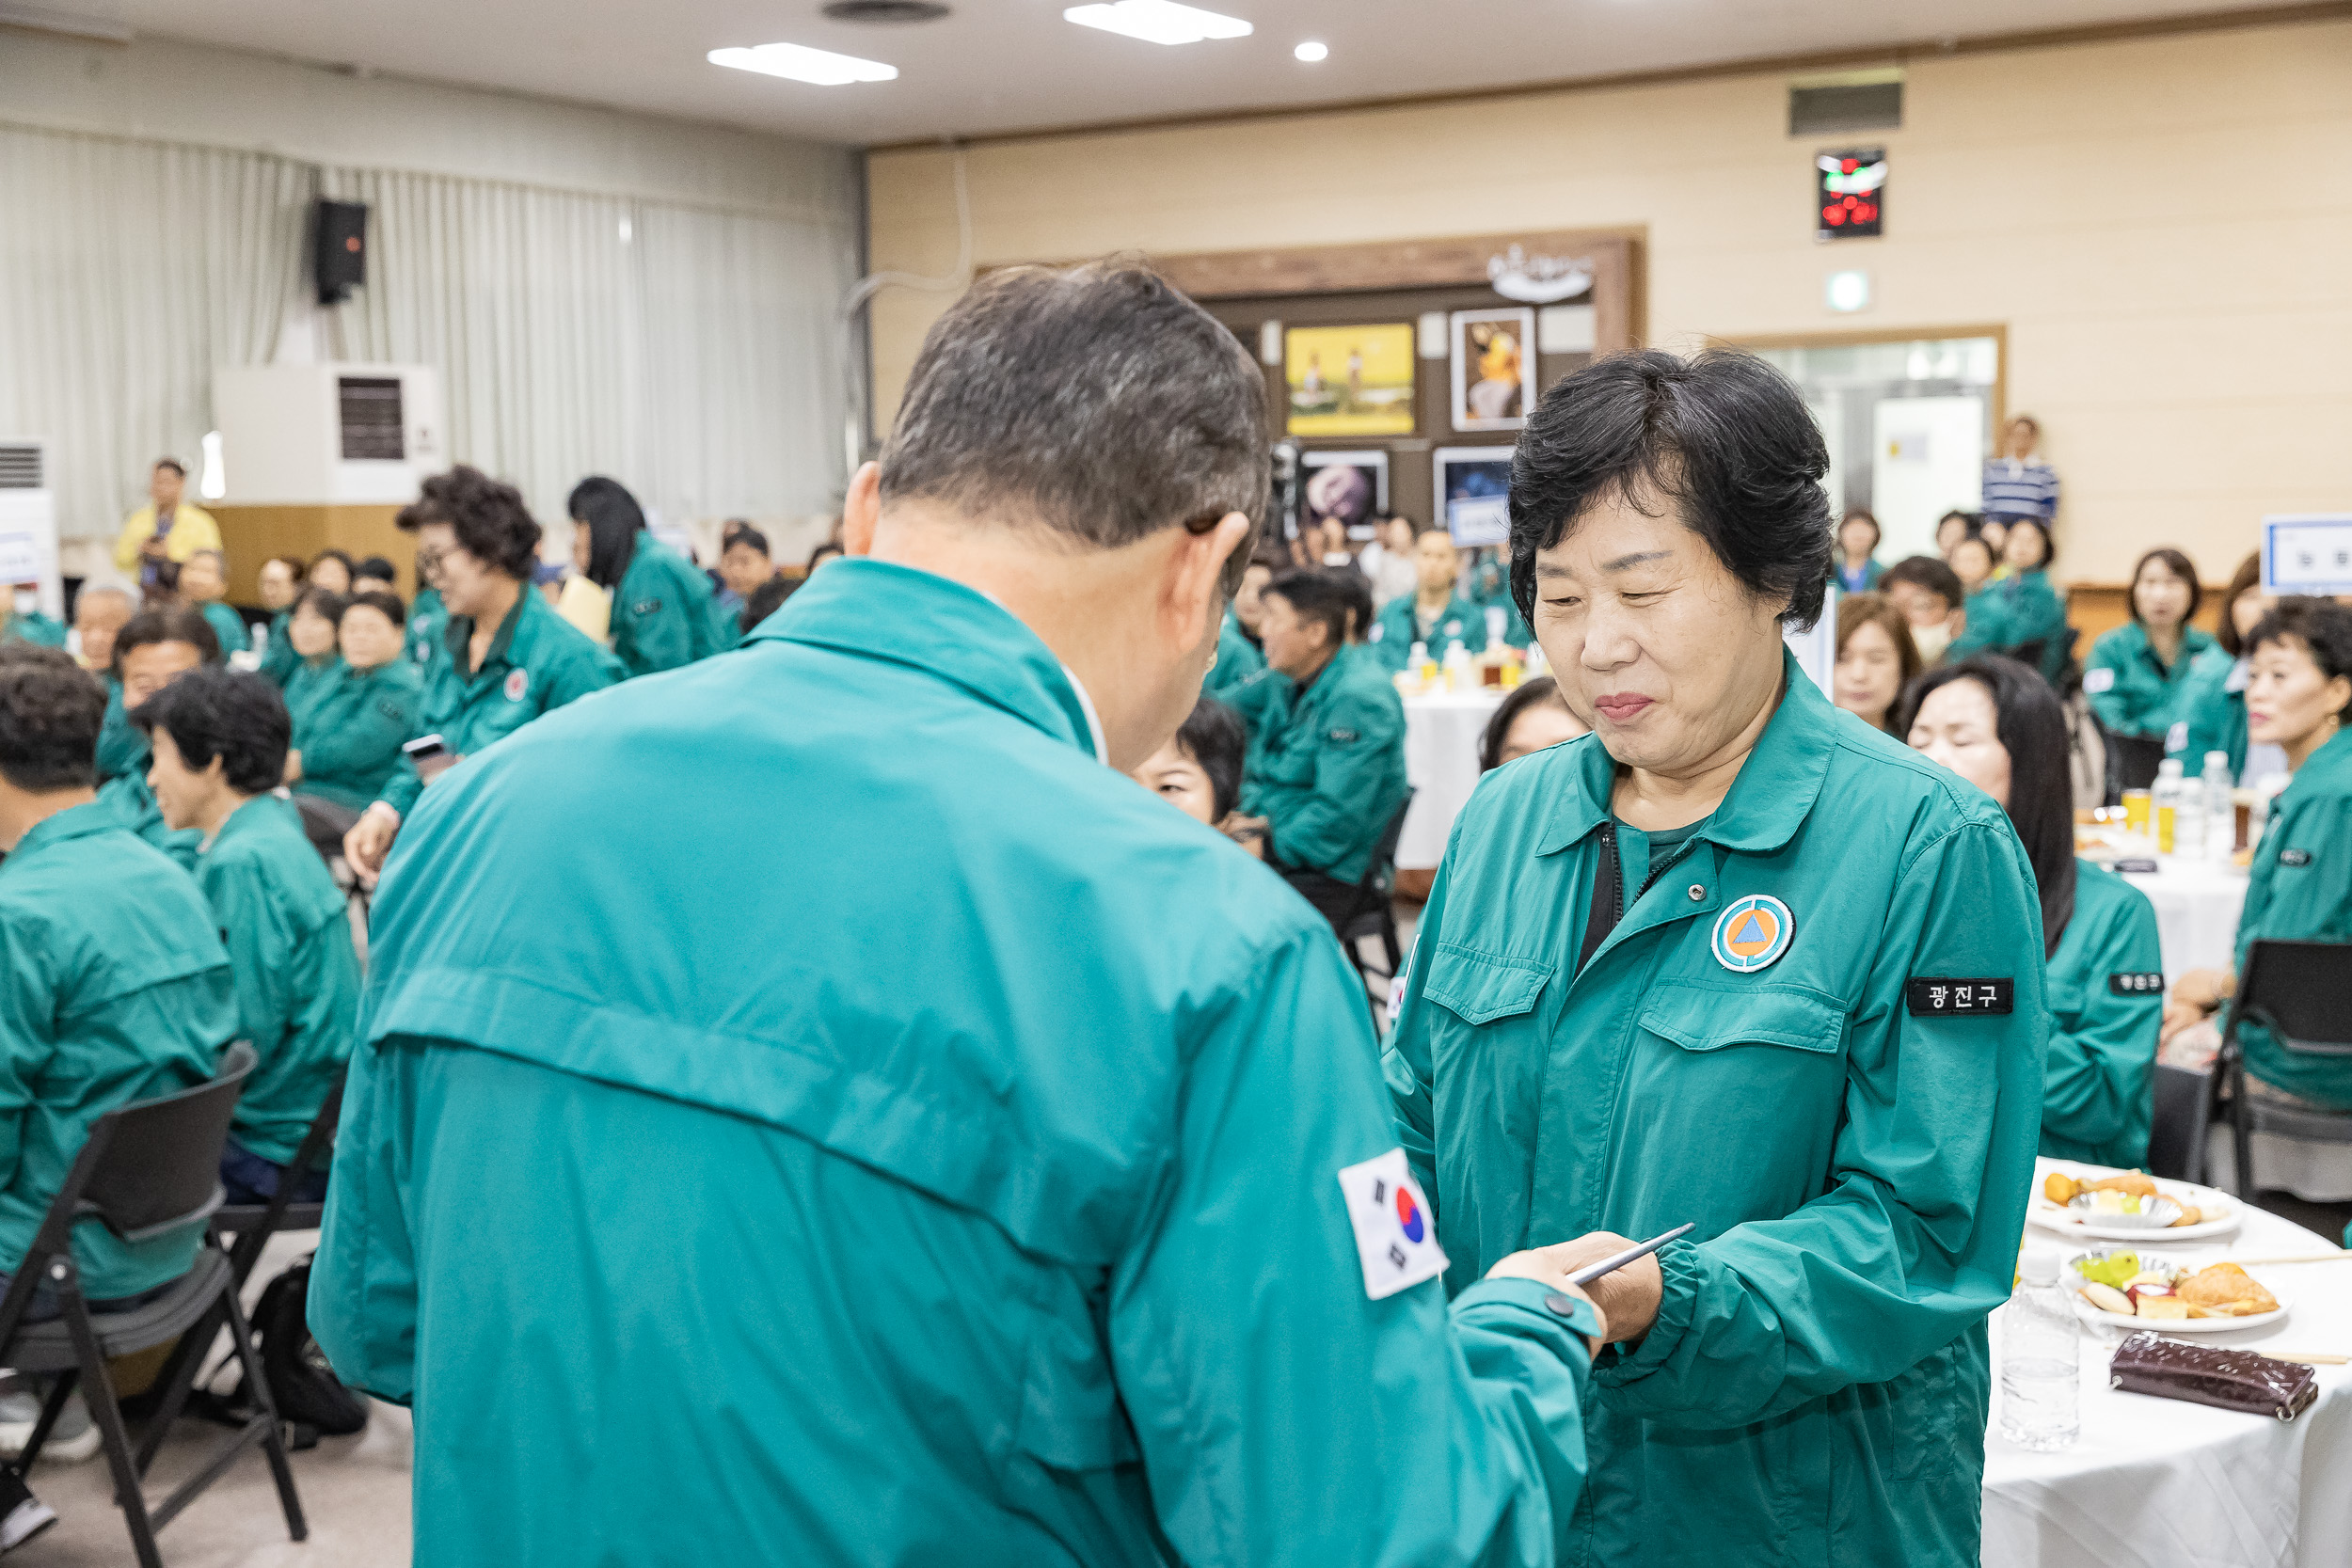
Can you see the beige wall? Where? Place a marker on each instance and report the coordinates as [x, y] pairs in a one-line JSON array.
[[2165, 226]]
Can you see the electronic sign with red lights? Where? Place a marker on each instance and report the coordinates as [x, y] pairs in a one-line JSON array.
[[1850, 194]]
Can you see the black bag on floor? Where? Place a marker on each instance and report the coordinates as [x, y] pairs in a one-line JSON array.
[[301, 1383]]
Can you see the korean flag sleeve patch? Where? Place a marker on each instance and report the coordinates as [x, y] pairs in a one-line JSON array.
[[1396, 1235], [1938, 997]]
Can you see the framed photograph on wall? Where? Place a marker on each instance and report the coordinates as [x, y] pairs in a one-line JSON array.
[[1349, 380], [1351, 487], [1472, 485], [1494, 355]]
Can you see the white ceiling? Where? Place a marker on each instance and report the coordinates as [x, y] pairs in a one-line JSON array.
[[1008, 65]]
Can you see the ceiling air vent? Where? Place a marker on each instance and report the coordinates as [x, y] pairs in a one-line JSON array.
[[885, 11], [19, 465], [1858, 101]]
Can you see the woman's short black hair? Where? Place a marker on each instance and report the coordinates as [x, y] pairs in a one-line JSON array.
[[2032, 730], [51, 711], [1360, 609], [766, 599], [1722, 438], [1498, 729], [1862, 514], [378, 566], [2180, 566], [2049, 546], [2248, 575], [1211, 735], [488, 517], [383, 604], [1317, 596], [323, 602], [175, 624], [612, 518], [745, 535], [223, 713], [2322, 625], [1925, 572]]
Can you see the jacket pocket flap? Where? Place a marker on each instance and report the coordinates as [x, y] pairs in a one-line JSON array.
[[1709, 1018], [1479, 987]]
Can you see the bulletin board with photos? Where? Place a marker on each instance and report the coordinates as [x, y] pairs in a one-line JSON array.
[[1405, 371]]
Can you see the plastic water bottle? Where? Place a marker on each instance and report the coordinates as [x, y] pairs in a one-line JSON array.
[[2221, 806], [1456, 664], [2165, 796], [2040, 1360]]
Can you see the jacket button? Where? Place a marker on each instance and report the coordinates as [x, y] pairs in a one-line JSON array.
[[1697, 893], [1560, 1306]]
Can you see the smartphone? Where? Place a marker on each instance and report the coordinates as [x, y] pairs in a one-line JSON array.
[[431, 755]]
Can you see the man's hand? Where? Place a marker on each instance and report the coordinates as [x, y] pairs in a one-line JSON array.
[[1627, 1298], [154, 546], [1537, 1264], [369, 841]]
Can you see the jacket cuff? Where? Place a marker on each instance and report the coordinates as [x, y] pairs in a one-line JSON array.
[[1684, 1271], [1532, 1309]]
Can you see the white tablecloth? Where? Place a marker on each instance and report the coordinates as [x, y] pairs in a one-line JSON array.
[[2154, 1482], [2197, 909], [1442, 730]]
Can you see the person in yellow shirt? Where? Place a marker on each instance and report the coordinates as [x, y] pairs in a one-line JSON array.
[[166, 527]]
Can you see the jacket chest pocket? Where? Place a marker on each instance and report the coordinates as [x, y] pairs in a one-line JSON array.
[[1484, 1003], [1761, 1070]]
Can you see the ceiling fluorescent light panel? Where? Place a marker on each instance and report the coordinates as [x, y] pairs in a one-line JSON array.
[[1158, 20], [797, 63]]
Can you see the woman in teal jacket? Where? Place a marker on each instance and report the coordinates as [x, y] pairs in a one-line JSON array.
[[1998, 725], [1734, 960], [2140, 673], [663, 614], [350, 728], [2021, 613], [2212, 699], [2300, 699]]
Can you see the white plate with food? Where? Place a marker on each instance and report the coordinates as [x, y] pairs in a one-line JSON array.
[[2131, 1207], [2117, 1288]]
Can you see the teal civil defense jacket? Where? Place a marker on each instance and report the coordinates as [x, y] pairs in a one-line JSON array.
[[536, 664], [1398, 626], [134, 804], [228, 626], [2211, 714], [1237, 660], [1817, 1035], [297, 977], [2106, 1002], [45, 632], [2131, 689], [428, 627], [1490, 589], [121, 749], [663, 614], [113, 988], [2012, 612], [351, 728], [279, 658], [1326, 764], [2300, 890], [766, 1198]]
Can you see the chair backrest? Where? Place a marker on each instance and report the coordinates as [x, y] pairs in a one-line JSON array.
[[2138, 758], [1375, 877], [2301, 991], [2176, 1137], [154, 1166]]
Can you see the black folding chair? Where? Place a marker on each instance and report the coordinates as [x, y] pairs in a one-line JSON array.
[[148, 1169], [1377, 919], [2184, 1112], [251, 1225], [2301, 991], [2133, 761]]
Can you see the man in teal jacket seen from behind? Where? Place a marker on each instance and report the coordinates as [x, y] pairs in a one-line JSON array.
[[996, 1171]]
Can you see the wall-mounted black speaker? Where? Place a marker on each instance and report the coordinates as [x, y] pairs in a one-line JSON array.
[[339, 256]]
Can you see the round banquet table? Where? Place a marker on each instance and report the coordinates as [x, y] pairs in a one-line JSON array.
[[2154, 1482], [2197, 909], [1442, 730]]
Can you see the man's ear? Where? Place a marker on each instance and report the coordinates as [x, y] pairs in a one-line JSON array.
[[861, 510], [1195, 573]]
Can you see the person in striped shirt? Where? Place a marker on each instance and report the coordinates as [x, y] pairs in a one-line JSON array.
[[2015, 484]]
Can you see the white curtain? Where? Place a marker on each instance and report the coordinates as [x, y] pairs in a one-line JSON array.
[[128, 271], [694, 354]]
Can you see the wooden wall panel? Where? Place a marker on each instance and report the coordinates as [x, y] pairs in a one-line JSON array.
[[251, 535]]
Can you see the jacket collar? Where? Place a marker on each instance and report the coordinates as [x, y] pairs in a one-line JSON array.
[[459, 632], [881, 609], [90, 817], [2329, 768], [1769, 800]]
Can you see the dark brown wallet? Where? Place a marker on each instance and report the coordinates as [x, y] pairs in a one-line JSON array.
[[2228, 1379]]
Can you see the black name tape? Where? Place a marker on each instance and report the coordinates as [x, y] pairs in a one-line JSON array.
[[2147, 984], [1941, 998]]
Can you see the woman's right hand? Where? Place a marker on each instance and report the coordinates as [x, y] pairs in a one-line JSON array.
[[2196, 996], [369, 841]]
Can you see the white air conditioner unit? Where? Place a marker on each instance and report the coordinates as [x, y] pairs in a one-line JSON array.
[[28, 522], [327, 434]]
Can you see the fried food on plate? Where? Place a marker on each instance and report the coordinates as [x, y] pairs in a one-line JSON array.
[[2226, 1291]]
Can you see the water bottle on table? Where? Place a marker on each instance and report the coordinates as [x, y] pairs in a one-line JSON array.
[[2040, 1360], [2221, 809]]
